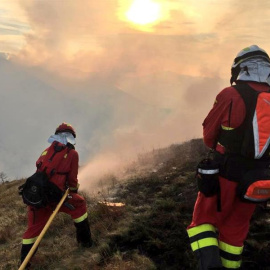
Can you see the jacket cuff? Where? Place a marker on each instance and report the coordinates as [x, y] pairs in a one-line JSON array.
[[74, 189]]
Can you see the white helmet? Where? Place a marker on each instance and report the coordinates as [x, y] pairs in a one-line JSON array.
[[250, 52]]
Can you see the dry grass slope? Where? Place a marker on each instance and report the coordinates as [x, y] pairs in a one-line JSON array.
[[148, 233]]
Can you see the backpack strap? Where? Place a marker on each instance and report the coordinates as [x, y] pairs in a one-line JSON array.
[[240, 140], [69, 147], [57, 149]]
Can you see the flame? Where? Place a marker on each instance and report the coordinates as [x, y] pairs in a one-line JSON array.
[[112, 204]]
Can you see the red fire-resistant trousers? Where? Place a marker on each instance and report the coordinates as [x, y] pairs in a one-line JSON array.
[[37, 218], [217, 237], [232, 221]]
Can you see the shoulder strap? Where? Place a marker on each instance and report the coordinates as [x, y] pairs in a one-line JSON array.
[[58, 149], [254, 142], [249, 97]]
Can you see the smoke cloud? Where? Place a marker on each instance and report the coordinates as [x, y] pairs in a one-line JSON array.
[[142, 88]]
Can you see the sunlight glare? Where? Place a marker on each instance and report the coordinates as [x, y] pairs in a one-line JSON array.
[[144, 12]]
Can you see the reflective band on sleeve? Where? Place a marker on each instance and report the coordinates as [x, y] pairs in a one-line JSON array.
[[206, 242], [29, 241], [199, 229], [231, 264], [230, 249], [80, 219], [44, 153], [226, 128], [208, 171]]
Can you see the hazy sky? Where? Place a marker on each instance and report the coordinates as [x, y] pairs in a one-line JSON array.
[[173, 56]]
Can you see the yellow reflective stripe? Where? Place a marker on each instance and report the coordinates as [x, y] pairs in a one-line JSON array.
[[29, 241], [226, 128], [201, 228], [206, 242], [65, 156], [230, 249], [231, 264], [80, 219], [44, 153], [75, 188]]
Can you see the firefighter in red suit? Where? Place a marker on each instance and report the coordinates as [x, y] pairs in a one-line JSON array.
[[217, 235], [65, 176]]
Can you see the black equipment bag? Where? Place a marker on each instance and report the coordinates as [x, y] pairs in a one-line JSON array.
[[38, 191], [207, 177]]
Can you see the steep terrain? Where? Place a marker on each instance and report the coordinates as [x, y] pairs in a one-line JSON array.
[[148, 232]]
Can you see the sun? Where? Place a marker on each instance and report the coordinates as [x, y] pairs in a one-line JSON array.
[[144, 12]]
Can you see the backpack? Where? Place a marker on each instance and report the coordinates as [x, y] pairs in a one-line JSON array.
[[38, 190], [252, 138], [247, 156]]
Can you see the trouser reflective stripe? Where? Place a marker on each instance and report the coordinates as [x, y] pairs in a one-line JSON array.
[[29, 241], [230, 255], [81, 218], [207, 242], [201, 228], [202, 236], [204, 243]]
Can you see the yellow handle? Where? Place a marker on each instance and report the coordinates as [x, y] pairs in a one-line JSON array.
[[34, 247]]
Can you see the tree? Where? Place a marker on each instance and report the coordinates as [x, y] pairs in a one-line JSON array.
[[3, 177]]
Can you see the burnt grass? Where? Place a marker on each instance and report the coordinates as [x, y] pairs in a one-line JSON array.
[[149, 233], [161, 203]]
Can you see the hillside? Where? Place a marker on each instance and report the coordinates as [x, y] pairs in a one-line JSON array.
[[147, 233]]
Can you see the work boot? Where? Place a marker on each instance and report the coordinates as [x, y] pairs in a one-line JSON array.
[[209, 258], [83, 233], [24, 251]]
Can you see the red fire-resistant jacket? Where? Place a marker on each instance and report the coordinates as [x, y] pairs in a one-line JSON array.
[[228, 111], [232, 221], [66, 171]]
